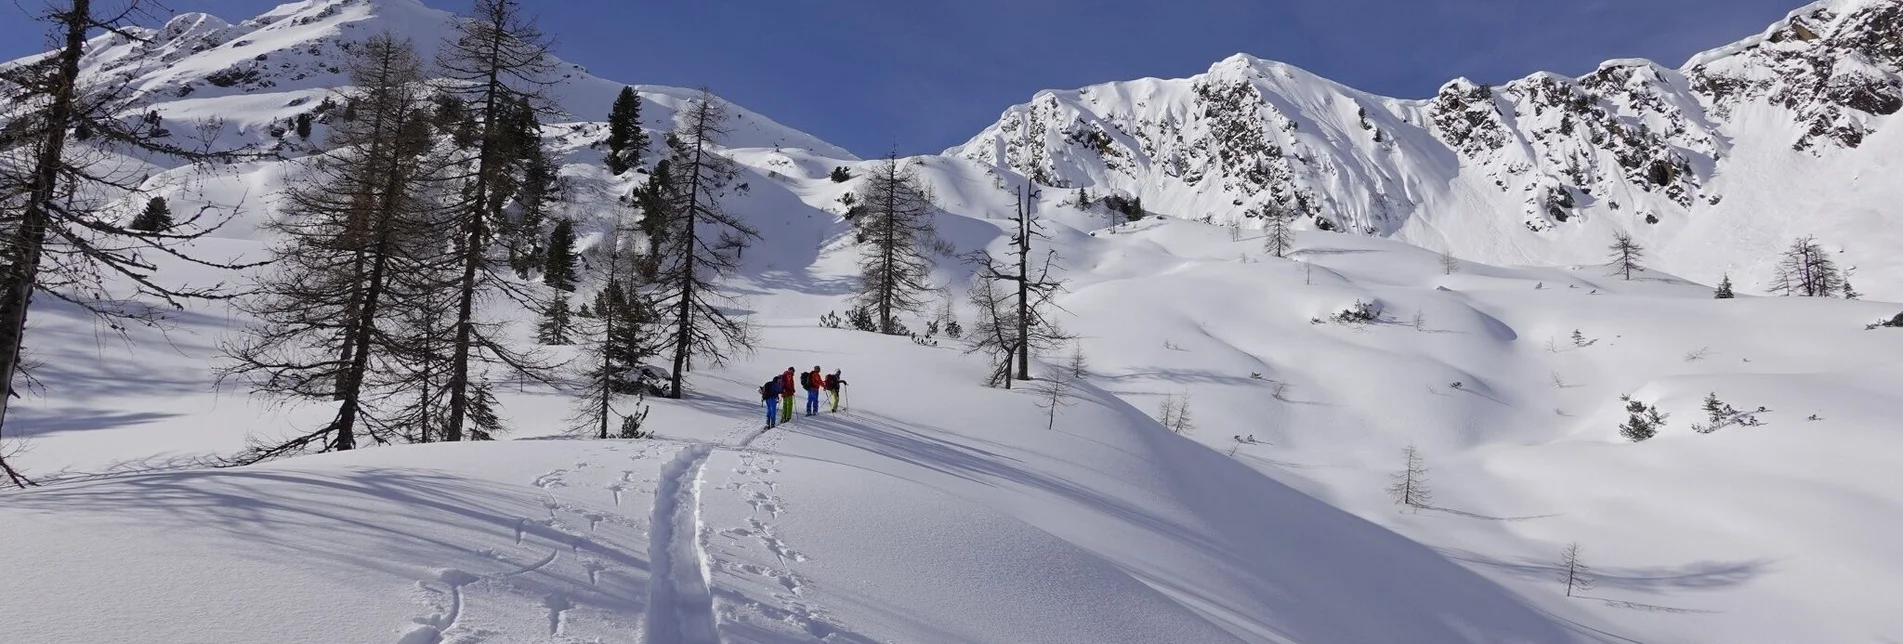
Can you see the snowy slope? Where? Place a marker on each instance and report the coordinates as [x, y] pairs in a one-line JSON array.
[[1717, 164], [935, 510]]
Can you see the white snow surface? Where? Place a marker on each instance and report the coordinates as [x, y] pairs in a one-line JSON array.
[[931, 509]]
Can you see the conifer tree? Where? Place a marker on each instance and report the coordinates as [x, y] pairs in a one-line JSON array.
[[556, 322], [896, 223], [559, 273], [304, 126], [156, 218], [627, 142], [1724, 288], [698, 243]]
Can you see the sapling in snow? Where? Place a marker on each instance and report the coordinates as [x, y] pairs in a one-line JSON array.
[[1574, 571], [1409, 484]]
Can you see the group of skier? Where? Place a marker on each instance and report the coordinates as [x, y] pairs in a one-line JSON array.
[[778, 393]]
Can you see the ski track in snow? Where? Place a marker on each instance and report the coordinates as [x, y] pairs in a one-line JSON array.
[[680, 599]]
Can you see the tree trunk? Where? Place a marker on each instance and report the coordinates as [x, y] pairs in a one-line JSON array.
[[1024, 285], [29, 240], [683, 345]]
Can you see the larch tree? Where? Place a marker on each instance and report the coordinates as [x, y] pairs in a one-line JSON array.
[[1627, 255], [1408, 486], [1278, 228], [1806, 270], [895, 220], [61, 172], [994, 333], [498, 63], [362, 243], [698, 242], [1574, 572], [617, 341], [1035, 291]]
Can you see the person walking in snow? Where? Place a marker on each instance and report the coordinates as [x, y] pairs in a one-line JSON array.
[[833, 383], [770, 393], [813, 381], [786, 395]]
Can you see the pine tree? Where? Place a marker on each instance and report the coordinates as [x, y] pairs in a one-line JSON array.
[[1724, 288], [896, 224], [559, 271], [1409, 486], [362, 249], [304, 126], [156, 218], [56, 237], [1627, 255], [1806, 270], [699, 242], [501, 66], [1642, 421], [626, 140]]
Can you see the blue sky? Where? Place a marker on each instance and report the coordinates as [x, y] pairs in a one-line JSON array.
[[923, 75]]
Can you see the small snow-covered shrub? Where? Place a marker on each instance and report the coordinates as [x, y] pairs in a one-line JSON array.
[[1360, 313]]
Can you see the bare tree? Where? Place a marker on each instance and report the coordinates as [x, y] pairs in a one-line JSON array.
[[618, 340], [1627, 255], [895, 220], [1806, 270], [699, 242], [1409, 486], [1278, 228], [1173, 414], [1448, 263], [994, 333], [1576, 574], [1036, 289], [1053, 395], [498, 63], [65, 161], [1078, 365], [362, 243]]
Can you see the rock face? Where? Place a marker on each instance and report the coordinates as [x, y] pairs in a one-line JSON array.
[[1519, 172]]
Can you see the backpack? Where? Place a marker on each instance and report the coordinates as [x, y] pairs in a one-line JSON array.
[[767, 390], [809, 380], [832, 382]]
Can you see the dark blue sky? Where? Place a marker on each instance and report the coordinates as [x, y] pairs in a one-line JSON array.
[[926, 74]]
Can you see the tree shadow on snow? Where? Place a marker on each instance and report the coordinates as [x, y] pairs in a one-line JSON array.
[[27, 421], [1698, 575], [332, 516]]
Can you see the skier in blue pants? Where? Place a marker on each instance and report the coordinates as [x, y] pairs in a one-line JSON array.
[[770, 393], [812, 382]]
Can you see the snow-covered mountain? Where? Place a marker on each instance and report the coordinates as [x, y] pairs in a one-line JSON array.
[[1715, 165], [933, 509]]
